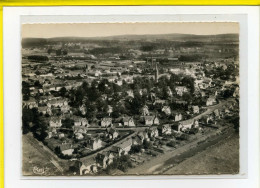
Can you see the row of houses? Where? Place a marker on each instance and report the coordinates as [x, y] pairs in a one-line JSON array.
[[103, 159], [56, 122]]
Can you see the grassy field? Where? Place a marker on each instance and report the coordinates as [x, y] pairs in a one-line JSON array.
[[222, 158], [34, 163]]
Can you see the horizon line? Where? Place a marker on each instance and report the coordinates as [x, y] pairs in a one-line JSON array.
[[127, 35]]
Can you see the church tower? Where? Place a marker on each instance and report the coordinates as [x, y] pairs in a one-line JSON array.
[[156, 73]]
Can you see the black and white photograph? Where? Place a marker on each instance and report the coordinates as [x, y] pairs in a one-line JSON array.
[[130, 99]]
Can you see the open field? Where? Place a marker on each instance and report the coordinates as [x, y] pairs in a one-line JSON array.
[[34, 162], [222, 158], [163, 162]]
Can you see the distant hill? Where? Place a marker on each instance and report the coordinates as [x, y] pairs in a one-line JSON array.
[[27, 42]]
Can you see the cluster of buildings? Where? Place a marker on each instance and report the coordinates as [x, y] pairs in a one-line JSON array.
[[43, 80]]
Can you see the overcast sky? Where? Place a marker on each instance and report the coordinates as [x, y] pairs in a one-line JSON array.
[[110, 29]]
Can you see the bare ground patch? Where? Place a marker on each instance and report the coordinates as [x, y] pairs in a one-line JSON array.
[[222, 158]]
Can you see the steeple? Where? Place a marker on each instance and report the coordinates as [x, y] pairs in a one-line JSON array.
[[156, 72]]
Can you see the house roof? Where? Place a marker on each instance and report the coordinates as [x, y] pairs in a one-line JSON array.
[[88, 161], [216, 112], [212, 98], [79, 119], [53, 118], [151, 129], [165, 107], [137, 139], [164, 125], [42, 108], [125, 144], [114, 149], [64, 147], [111, 130], [204, 117], [181, 102], [78, 128], [101, 156], [149, 118], [187, 122], [105, 153], [159, 101], [145, 107], [142, 134], [126, 119], [31, 100], [180, 87], [106, 119], [92, 140], [55, 101]]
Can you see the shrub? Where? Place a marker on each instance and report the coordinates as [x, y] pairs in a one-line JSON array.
[[162, 142], [171, 143], [183, 137], [147, 145], [194, 130], [136, 148]]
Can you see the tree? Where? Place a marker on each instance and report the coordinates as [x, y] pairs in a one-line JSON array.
[[58, 52], [194, 130], [42, 133], [91, 111], [27, 119], [136, 104], [30, 120], [39, 58], [79, 95], [171, 143], [49, 51], [40, 128], [187, 97], [228, 93], [124, 163], [115, 114], [25, 91], [103, 85], [63, 91], [101, 105], [173, 79], [57, 150], [116, 88], [85, 86], [147, 144], [136, 148], [164, 93], [65, 52], [148, 48], [189, 83], [235, 121], [183, 137], [37, 84], [67, 123]]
